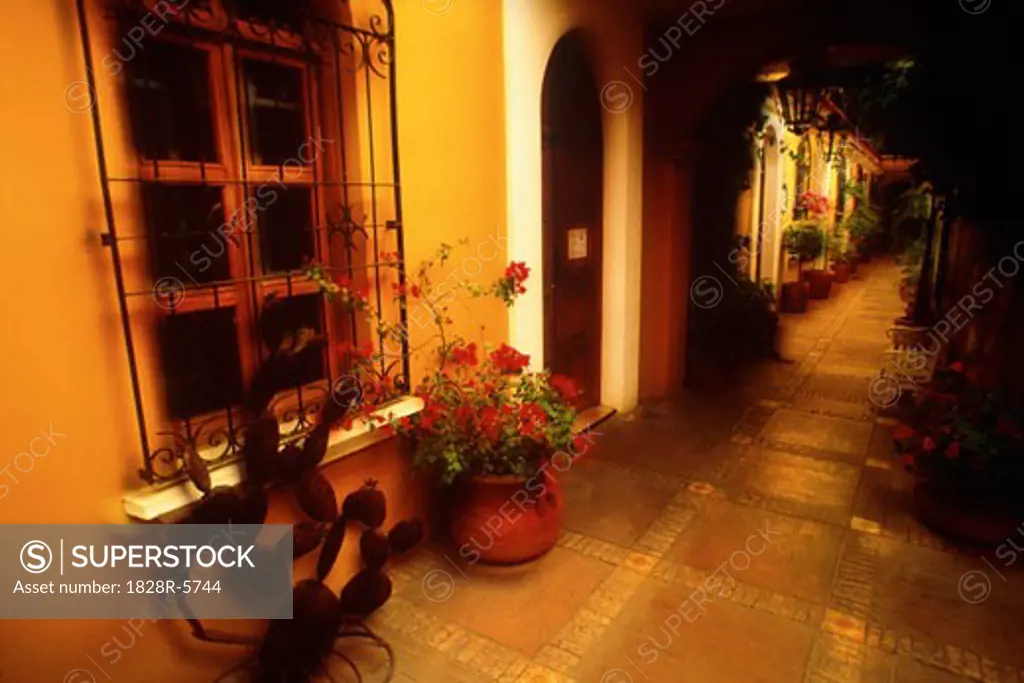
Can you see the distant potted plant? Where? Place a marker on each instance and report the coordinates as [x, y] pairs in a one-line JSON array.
[[863, 223], [804, 240], [851, 258], [841, 269], [965, 447], [910, 274], [815, 207], [491, 430]]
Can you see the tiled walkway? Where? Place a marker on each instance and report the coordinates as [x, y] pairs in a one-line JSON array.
[[759, 536]]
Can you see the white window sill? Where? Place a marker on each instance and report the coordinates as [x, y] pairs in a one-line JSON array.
[[151, 502]]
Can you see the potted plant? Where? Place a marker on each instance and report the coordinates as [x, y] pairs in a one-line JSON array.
[[492, 433], [910, 274], [815, 207], [804, 240], [863, 223], [965, 447], [741, 327], [837, 255], [851, 257]]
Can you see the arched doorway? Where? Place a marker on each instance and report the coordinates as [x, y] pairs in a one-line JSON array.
[[573, 163], [769, 206]]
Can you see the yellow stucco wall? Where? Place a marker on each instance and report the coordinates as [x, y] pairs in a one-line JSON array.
[[62, 356]]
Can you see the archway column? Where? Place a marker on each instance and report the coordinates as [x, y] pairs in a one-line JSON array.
[[531, 30]]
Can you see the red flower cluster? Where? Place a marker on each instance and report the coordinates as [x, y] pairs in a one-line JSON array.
[[532, 420], [517, 273], [432, 413], [508, 360], [564, 386], [464, 355]]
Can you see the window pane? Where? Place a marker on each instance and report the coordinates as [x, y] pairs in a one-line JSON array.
[[286, 230], [276, 112], [296, 313], [201, 363], [186, 228], [170, 103]]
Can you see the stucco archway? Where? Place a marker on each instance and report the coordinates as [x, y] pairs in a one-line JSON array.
[[614, 37], [768, 217]]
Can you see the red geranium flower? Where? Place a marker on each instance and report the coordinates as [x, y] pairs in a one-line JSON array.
[[508, 360], [954, 450], [565, 386], [532, 420], [430, 415], [490, 423], [464, 355], [517, 273]]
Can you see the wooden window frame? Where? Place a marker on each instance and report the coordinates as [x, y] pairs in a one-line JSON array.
[[237, 177]]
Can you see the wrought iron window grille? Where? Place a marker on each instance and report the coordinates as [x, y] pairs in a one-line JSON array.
[[265, 75]]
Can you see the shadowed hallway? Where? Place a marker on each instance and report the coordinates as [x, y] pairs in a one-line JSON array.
[[765, 534]]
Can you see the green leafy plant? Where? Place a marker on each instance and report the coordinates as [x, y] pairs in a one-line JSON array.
[[912, 260], [834, 246], [805, 240], [490, 415], [865, 220]]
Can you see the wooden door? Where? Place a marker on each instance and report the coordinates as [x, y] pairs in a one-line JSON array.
[[572, 212]]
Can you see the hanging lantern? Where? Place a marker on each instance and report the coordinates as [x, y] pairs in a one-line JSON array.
[[801, 94], [800, 107], [835, 128]]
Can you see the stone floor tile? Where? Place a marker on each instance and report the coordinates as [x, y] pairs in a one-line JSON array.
[[655, 640], [524, 606], [607, 503], [797, 558], [949, 599], [817, 489], [818, 432]]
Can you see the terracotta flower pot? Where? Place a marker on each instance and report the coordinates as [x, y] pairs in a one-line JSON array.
[[820, 282], [794, 297], [841, 272], [507, 519], [976, 514]]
